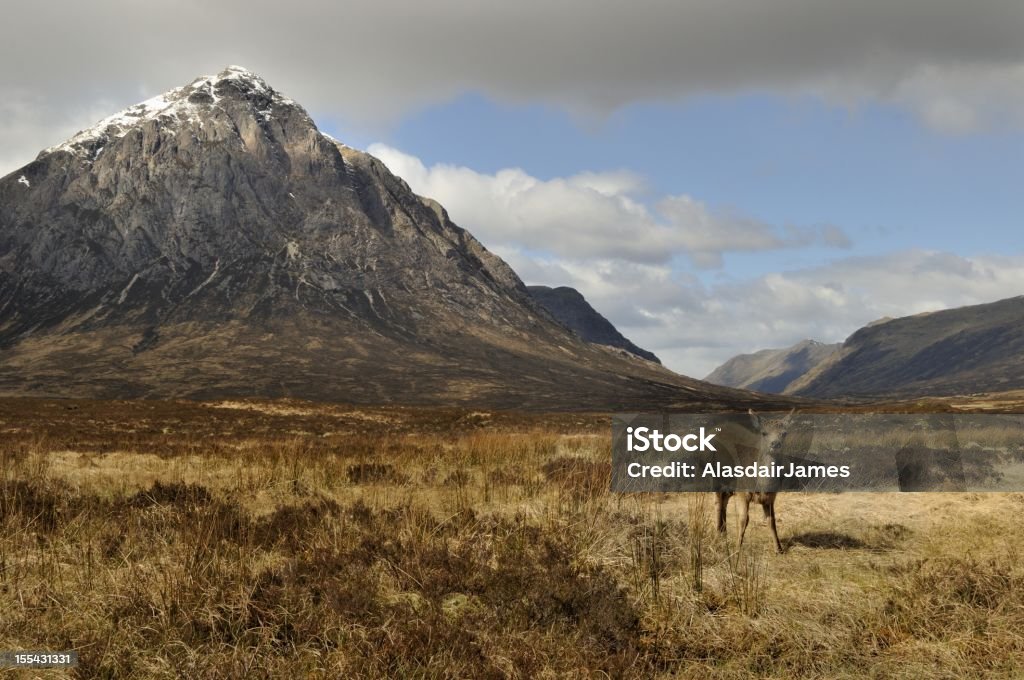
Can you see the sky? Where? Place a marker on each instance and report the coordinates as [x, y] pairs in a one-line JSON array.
[[715, 177]]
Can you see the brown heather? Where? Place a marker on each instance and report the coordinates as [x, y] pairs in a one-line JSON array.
[[284, 539]]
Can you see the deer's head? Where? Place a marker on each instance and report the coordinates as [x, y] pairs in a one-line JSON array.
[[773, 431]]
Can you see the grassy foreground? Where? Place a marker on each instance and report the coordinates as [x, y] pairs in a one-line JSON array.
[[249, 539]]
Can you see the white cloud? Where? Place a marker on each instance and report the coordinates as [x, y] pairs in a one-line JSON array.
[[591, 215], [964, 98]]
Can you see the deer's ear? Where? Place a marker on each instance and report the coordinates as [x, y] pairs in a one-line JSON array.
[[754, 419]]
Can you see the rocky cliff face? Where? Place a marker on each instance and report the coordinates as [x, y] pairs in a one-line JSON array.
[[223, 194], [212, 241], [572, 310]]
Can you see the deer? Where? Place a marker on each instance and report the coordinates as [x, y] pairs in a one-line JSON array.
[[772, 435]]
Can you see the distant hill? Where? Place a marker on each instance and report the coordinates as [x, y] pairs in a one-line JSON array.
[[772, 370], [572, 310], [956, 351]]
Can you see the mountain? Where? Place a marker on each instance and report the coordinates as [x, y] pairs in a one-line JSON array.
[[572, 310], [965, 350], [212, 242], [771, 370]]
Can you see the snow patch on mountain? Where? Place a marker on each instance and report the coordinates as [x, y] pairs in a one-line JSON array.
[[184, 104]]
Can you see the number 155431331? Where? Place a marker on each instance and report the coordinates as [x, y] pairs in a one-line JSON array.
[[36, 659]]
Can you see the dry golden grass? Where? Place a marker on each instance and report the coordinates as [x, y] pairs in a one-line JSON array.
[[288, 540]]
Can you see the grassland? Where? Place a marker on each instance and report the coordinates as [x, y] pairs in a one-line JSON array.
[[247, 539]]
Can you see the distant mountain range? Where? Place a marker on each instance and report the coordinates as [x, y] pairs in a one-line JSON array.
[[772, 370], [212, 242], [967, 350], [572, 310]]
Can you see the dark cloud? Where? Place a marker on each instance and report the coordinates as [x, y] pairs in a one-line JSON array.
[[957, 64]]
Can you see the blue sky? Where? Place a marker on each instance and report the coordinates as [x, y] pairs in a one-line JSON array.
[[715, 177], [890, 182], [874, 171]]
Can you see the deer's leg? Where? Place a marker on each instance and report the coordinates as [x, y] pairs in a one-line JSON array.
[[744, 516], [722, 498], [770, 508]]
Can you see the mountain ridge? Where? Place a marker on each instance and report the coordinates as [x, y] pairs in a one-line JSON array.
[[571, 309], [963, 350], [772, 370]]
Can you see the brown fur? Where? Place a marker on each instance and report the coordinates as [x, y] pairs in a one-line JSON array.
[[772, 436], [767, 501]]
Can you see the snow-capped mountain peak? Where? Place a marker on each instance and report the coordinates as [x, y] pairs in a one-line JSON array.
[[185, 103]]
